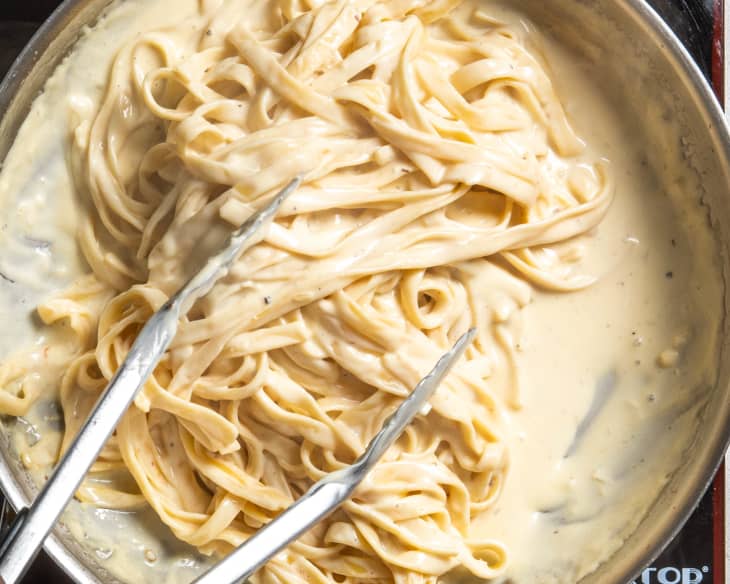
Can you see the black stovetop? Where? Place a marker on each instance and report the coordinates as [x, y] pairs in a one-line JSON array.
[[689, 558]]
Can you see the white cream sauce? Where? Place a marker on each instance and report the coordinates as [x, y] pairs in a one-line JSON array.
[[613, 375]]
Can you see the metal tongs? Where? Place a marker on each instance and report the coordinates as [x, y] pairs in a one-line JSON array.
[[26, 534]]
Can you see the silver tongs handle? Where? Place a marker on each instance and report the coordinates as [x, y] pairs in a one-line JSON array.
[[331, 491], [32, 524]]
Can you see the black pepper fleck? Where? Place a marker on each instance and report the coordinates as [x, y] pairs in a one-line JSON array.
[[669, 275], [267, 299], [674, 243]]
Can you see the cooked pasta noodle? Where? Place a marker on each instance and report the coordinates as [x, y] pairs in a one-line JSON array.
[[440, 170]]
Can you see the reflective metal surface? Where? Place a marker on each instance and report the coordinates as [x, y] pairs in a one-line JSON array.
[[636, 52]]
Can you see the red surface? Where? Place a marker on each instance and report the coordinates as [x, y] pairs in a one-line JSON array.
[[718, 527], [717, 51]]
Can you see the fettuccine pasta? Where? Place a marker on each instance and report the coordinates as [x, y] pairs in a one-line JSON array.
[[440, 172]]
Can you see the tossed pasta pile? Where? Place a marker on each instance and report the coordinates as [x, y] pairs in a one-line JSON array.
[[439, 168]]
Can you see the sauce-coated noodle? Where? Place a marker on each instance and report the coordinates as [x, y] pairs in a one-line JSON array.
[[439, 167]]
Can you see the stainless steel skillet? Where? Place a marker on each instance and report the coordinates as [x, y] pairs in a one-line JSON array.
[[636, 52]]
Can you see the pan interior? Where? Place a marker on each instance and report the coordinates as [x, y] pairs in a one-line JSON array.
[[655, 123]]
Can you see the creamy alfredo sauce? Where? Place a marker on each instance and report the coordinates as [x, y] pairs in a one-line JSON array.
[[612, 376]]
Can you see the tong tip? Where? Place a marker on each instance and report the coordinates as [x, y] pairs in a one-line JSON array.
[[284, 193], [465, 340], [452, 356]]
